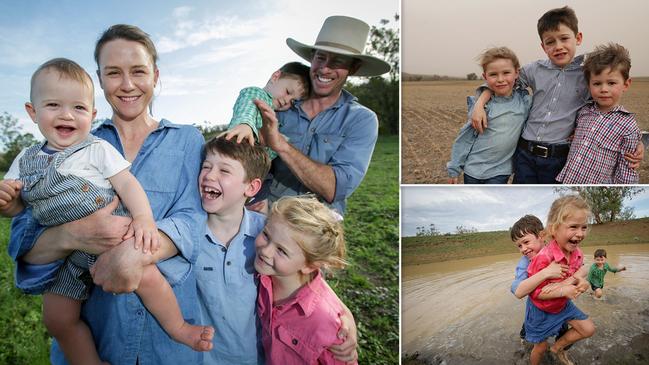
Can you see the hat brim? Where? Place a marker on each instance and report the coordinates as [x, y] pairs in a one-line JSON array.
[[370, 66]]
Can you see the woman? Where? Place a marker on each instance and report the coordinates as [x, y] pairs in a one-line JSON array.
[[165, 159]]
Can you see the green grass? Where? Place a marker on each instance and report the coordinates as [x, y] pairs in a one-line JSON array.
[[369, 286], [423, 250]]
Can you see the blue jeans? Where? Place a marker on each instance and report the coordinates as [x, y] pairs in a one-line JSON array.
[[531, 169], [500, 179]]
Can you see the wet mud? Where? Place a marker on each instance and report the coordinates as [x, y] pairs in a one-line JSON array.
[[462, 312]]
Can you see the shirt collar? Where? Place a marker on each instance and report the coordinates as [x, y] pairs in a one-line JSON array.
[[307, 297], [592, 105], [345, 97], [557, 254], [574, 65], [245, 227], [108, 123]]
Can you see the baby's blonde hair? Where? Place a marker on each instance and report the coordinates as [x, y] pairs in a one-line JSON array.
[[562, 208], [319, 229]]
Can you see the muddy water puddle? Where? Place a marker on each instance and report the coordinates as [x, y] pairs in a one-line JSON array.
[[462, 312]]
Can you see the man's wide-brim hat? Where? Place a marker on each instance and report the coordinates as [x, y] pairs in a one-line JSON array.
[[346, 36]]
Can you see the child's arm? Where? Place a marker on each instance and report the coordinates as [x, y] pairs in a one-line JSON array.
[[552, 271], [135, 199], [10, 201], [479, 117], [242, 132], [245, 113]]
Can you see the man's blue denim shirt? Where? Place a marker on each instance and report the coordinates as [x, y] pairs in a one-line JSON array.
[[124, 332], [342, 136]]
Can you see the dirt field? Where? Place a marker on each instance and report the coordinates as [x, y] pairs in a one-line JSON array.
[[433, 112]]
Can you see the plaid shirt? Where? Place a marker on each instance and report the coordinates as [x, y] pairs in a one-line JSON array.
[[597, 151]]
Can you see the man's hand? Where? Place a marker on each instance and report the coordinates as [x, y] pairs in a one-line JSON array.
[[635, 158], [119, 270], [242, 132], [259, 207], [479, 117], [269, 133]]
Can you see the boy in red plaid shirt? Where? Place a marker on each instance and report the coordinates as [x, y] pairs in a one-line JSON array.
[[605, 130]]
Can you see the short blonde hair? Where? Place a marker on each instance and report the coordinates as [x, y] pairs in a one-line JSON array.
[[67, 69], [319, 229], [562, 208], [494, 53]]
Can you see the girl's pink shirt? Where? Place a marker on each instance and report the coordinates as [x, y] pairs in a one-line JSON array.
[[552, 252], [300, 330]]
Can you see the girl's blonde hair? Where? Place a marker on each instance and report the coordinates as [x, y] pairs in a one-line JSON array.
[[492, 54], [562, 208], [320, 230]]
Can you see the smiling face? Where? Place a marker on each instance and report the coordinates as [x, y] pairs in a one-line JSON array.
[[278, 253], [128, 77], [501, 76], [329, 73], [62, 107], [284, 90], [607, 88], [600, 261], [560, 45], [223, 184], [571, 231], [529, 245]]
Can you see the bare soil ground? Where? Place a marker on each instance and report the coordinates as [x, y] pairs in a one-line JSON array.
[[433, 112]]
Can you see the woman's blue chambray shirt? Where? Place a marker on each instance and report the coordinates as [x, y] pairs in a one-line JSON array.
[[167, 166], [342, 136], [489, 154]]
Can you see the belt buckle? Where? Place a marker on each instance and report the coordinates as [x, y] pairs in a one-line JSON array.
[[540, 151]]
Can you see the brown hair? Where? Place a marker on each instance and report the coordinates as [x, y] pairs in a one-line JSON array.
[[562, 208], [129, 33], [552, 19], [611, 55], [254, 159], [297, 71], [528, 224], [319, 229], [599, 253], [492, 54], [66, 69]]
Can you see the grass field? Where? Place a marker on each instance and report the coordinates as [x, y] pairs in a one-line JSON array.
[[433, 112], [369, 286], [424, 250]]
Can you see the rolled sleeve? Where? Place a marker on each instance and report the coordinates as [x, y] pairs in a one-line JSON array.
[[184, 221], [351, 160], [31, 279]]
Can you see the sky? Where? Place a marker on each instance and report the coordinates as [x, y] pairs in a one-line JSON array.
[[445, 37], [208, 49], [486, 209]]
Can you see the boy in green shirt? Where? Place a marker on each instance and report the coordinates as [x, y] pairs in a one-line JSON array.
[[598, 270]]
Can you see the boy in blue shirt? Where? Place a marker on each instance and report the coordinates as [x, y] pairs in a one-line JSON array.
[[232, 173], [559, 91], [487, 158]]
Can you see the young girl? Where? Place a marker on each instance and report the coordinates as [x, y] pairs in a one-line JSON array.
[[567, 226], [299, 312]]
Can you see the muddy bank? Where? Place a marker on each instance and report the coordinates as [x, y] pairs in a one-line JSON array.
[[462, 312]]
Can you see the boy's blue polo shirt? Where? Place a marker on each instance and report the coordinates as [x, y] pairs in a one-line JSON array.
[[227, 292], [521, 273]]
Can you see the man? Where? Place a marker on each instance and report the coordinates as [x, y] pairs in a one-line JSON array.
[[331, 136]]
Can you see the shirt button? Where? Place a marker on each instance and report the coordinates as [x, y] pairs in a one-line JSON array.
[[559, 84], [228, 263], [312, 130], [99, 200], [223, 249], [326, 140], [49, 158], [294, 341], [85, 188], [140, 312]]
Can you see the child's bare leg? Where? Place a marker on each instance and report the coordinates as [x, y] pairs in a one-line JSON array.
[[160, 300], [598, 293], [537, 352], [580, 329], [62, 318]]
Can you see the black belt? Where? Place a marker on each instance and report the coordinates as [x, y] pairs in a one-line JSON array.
[[545, 150]]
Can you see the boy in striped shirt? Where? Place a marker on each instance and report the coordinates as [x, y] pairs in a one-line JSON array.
[[605, 129]]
